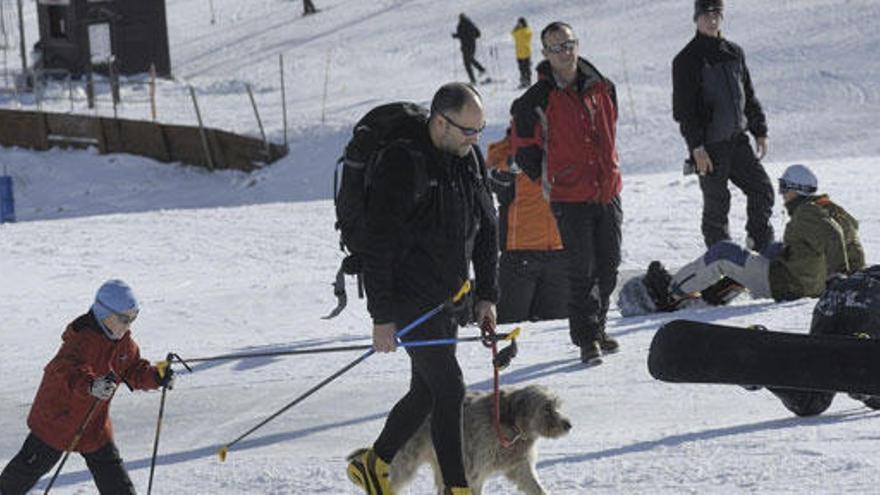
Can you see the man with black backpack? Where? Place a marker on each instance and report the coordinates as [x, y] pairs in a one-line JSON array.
[[422, 236]]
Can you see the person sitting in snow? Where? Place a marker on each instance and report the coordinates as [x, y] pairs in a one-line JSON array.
[[71, 409], [820, 241]]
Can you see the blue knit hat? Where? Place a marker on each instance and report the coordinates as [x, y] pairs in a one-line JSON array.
[[114, 296]]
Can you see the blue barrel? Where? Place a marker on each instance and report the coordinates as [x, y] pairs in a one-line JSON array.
[[7, 203]]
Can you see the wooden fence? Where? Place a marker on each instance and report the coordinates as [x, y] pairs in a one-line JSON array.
[[163, 142]]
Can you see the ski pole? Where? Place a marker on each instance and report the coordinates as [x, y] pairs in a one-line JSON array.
[[162, 367], [465, 288], [324, 350], [77, 436]]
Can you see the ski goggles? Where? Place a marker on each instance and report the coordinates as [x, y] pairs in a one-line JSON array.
[[785, 185], [565, 46], [124, 318], [467, 131]]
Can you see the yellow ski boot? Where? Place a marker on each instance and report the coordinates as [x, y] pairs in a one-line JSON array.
[[369, 472]]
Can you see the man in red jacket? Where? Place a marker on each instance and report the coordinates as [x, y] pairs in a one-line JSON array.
[[564, 136], [71, 409]]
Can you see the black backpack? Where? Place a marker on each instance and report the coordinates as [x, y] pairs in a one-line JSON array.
[[373, 133], [850, 305]]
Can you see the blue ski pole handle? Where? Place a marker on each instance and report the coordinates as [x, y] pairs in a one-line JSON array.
[[465, 288]]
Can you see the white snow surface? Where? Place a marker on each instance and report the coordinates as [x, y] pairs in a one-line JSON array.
[[230, 262]]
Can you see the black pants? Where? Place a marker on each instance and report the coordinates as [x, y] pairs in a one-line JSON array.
[[525, 71], [735, 160], [436, 388], [470, 62], [534, 286], [591, 235], [308, 7], [36, 459]]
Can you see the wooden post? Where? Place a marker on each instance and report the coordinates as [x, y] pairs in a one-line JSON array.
[[192, 93], [629, 94], [90, 87], [283, 97], [326, 82], [70, 90], [259, 121], [153, 91], [24, 69]]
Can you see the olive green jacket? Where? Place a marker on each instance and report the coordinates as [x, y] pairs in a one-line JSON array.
[[820, 240]]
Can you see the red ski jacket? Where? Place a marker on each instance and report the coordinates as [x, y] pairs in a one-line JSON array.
[[566, 136], [63, 399]]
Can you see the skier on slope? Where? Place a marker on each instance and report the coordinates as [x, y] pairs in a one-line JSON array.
[[419, 253], [820, 241], [97, 353], [467, 33]]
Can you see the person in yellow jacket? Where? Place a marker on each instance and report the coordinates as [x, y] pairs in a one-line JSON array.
[[522, 37]]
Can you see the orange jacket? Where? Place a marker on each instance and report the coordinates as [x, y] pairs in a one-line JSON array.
[[63, 399], [526, 220]]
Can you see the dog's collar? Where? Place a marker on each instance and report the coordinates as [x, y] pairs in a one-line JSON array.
[[517, 436]]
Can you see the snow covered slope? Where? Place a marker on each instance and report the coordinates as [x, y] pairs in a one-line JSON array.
[[228, 262]]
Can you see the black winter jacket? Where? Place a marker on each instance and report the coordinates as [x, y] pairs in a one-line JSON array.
[[712, 95], [467, 32], [421, 243]]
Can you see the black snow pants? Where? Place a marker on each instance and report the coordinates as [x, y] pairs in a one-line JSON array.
[[534, 286], [735, 160], [36, 459], [468, 53], [591, 235], [436, 388], [525, 72]]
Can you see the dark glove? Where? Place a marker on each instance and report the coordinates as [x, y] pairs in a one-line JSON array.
[[165, 377]]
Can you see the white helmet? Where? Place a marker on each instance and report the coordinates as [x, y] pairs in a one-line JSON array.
[[798, 178]]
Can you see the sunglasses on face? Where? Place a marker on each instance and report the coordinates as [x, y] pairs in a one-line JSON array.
[[467, 131], [126, 319], [565, 46]]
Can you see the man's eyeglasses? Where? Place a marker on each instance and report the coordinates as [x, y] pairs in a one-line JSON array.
[[565, 46], [467, 131]]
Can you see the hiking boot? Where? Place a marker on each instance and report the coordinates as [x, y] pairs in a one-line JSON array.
[[722, 292], [591, 352], [608, 344], [457, 490], [369, 472], [657, 282]]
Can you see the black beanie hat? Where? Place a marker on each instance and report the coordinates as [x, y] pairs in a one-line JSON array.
[[705, 6]]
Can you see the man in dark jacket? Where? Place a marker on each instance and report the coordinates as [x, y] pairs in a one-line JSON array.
[[578, 169], [820, 241], [467, 33], [420, 251], [714, 103]]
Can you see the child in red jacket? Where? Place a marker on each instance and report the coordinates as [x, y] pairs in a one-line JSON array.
[[97, 353]]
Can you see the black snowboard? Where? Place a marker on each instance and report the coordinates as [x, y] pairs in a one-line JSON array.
[[695, 352]]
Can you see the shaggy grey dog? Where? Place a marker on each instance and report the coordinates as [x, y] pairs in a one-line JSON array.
[[527, 414]]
